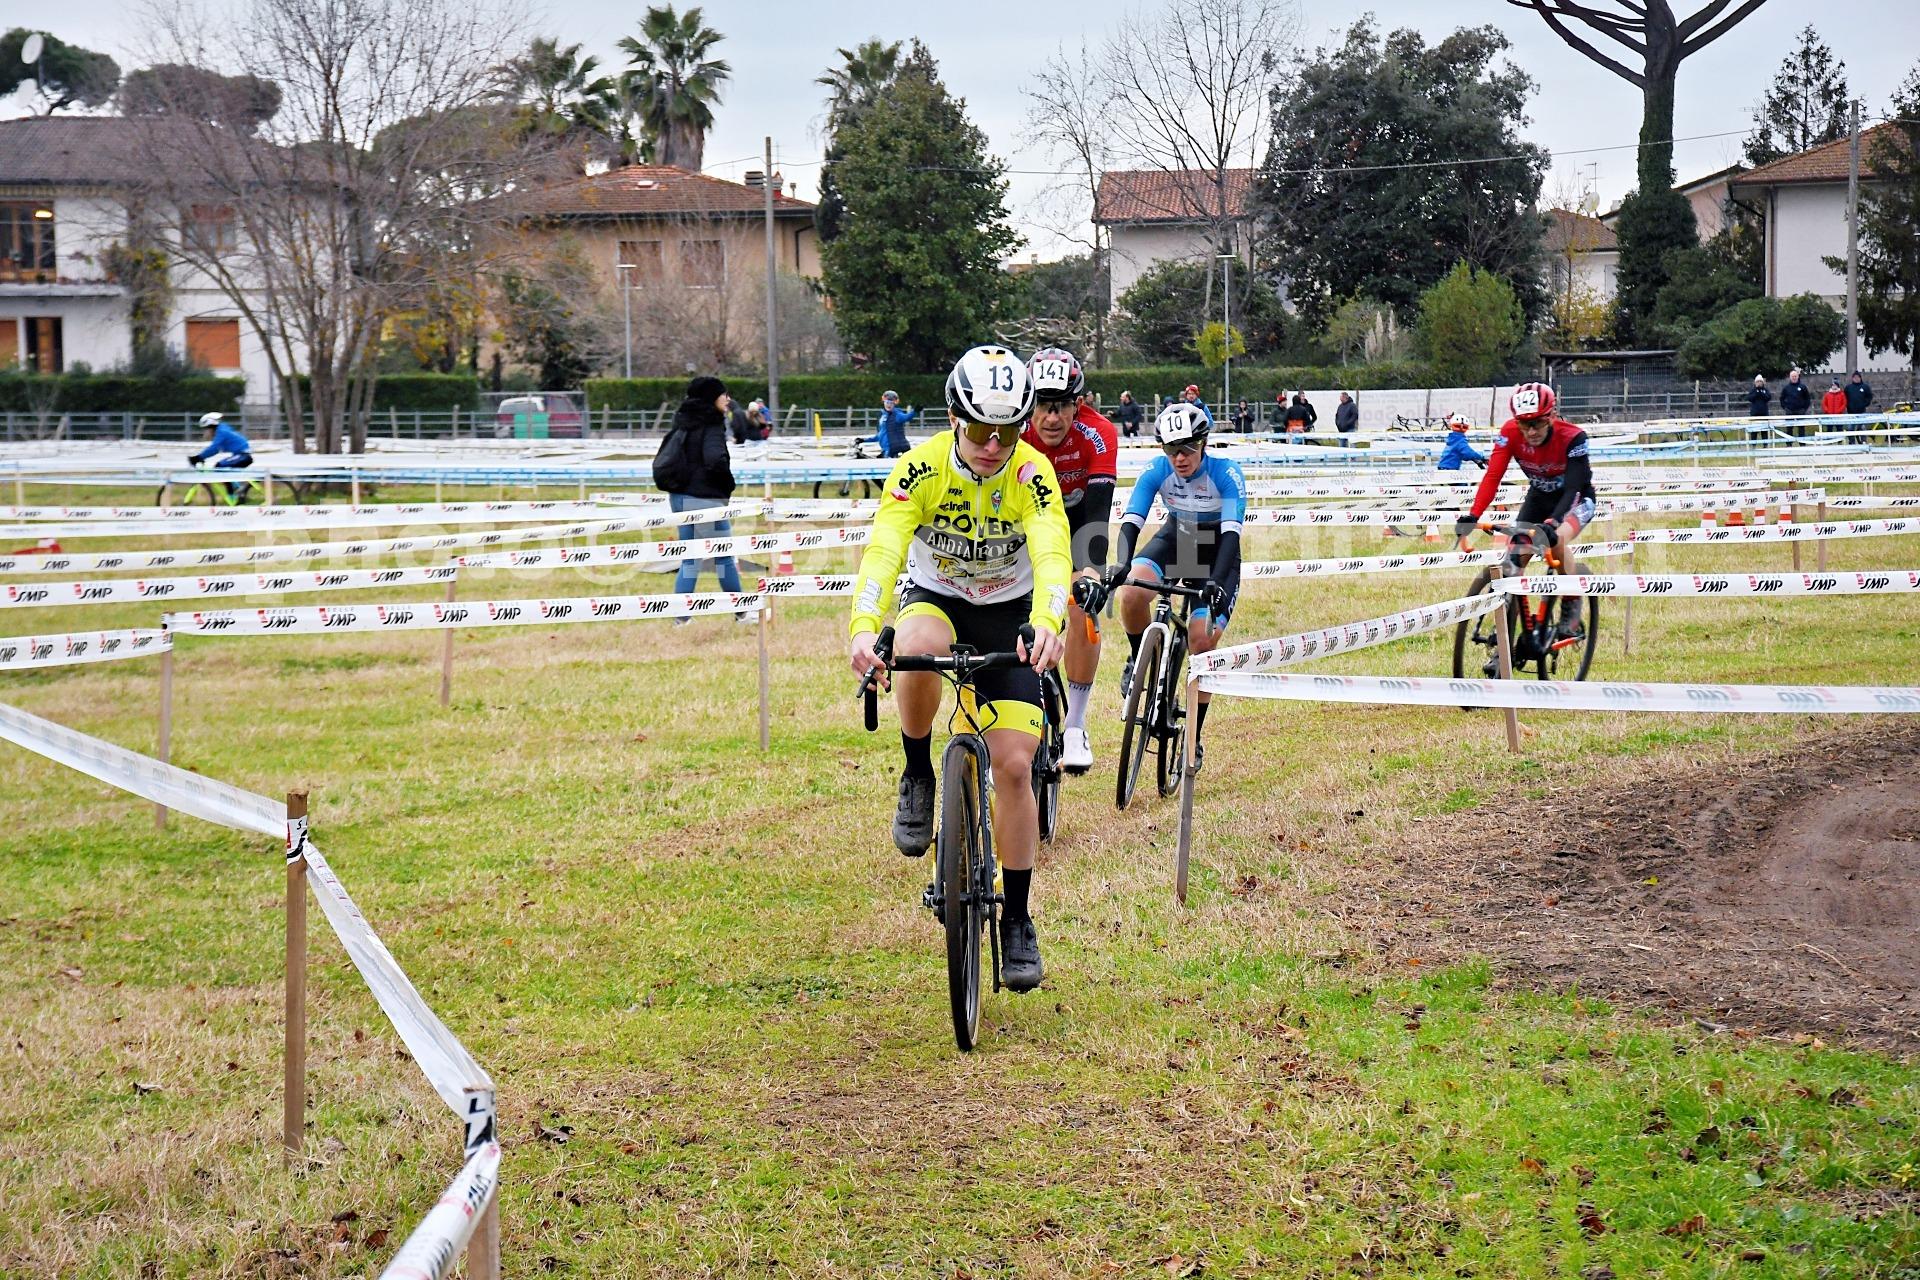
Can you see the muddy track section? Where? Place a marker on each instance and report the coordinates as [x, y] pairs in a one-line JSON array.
[[1779, 893]]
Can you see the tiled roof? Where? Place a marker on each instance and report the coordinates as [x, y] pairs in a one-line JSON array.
[[73, 151], [1187, 195], [651, 191], [1579, 232], [1824, 163]]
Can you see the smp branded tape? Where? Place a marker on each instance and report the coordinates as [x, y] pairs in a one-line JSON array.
[[650, 552], [1715, 584], [437, 615], [1282, 651], [300, 552], [1404, 564], [143, 776], [433, 1249], [1874, 504], [808, 584], [20, 652], [1783, 532], [128, 520], [1560, 695], [41, 595]]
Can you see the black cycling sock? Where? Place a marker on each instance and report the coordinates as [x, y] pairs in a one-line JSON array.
[[1015, 885], [1200, 719], [1133, 644], [919, 756]]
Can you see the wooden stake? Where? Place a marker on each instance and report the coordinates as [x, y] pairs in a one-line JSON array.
[[355, 477], [267, 488], [1796, 545], [446, 652], [1820, 562], [1506, 667], [166, 728], [293, 1114], [1626, 628], [483, 1247], [436, 489], [766, 731], [1185, 851]]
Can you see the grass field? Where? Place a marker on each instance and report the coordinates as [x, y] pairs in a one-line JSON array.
[[716, 1013]]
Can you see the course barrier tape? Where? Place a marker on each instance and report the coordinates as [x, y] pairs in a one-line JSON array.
[[280, 517], [446, 1063], [701, 549], [433, 1248], [808, 584], [194, 558], [1405, 563], [1873, 504], [1561, 695], [1282, 651], [189, 793], [436, 615], [20, 652], [1714, 584], [41, 595], [1782, 532]]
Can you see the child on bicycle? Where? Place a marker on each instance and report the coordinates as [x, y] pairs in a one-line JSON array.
[[1553, 455], [1198, 545], [232, 450], [975, 515]]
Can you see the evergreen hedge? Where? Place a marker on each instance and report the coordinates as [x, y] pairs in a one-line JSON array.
[[436, 392], [119, 393]]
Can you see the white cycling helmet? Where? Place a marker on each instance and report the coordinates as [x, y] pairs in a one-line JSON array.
[[1459, 420], [989, 385], [1180, 423], [210, 420]]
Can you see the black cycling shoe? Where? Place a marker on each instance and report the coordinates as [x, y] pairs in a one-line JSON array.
[[1568, 629], [913, 820], [1199, 755], [1019, 955]]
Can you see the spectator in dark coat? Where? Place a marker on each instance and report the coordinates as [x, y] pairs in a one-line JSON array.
[[1759, 398], [1243, 418], [1795, 396], [1859, 394], [744, 428], [709, 483], [1300, 415], [1346, 418], [1130, 414]]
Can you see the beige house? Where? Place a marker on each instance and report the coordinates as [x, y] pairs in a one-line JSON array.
[[1582, 253], [1803, 207], [682, 255], [1153, 216]]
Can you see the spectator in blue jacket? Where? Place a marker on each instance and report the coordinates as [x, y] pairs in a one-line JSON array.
[[1458, 450], [892, 435], [1859, 394]]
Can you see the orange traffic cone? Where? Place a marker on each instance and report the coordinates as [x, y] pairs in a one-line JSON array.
[[1734, 517], [1706, 517], [1432, 534], [785, 563]]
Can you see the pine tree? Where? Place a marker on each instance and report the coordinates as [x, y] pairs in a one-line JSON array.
[[1806, 106], [915, 273]]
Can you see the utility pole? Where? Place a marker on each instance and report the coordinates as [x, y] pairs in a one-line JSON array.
[[773, 333], [620, 270], [1853, 237], [1226, 318]]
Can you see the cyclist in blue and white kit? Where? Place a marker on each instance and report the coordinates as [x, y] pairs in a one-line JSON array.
[[1198, 546]]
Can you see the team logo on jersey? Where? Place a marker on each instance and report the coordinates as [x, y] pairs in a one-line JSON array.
[[1026, 473]]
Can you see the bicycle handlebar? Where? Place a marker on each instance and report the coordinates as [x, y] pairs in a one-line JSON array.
[[964, 663]]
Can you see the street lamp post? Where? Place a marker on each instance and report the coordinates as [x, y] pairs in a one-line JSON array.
[[620, 270]]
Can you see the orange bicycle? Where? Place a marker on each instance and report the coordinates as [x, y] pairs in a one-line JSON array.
[[1559, 648]]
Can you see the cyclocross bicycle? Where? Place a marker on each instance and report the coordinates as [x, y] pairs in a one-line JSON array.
[[1156, 712], [232, 491], [865, 450], [965, 893], [1531, 634]]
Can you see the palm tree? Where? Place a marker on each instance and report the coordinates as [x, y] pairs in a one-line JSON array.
[[558, 101], [672, 84], [865, 71]]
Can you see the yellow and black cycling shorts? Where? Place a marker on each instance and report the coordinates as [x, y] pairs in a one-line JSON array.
[[1006, 698]]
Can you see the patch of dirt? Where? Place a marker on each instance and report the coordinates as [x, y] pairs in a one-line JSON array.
[[1778, 892]]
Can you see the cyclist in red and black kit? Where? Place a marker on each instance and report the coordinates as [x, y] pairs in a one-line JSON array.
[[1553, 454], [1084, 448]]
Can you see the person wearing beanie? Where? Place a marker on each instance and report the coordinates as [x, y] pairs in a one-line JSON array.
[[694, 469]]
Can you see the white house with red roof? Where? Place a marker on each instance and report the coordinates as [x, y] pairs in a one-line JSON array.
[[1154, 216], [1803, 207]]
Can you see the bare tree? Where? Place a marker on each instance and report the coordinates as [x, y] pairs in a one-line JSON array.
[[376, 172], [1069, 121], [1659, 42], [1190, 89]]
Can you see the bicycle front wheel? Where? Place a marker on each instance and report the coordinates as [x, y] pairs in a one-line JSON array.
[[1572, 659], [1476, 642], [1137, 727], [1046, 756], [1172, 736], [959, 850]]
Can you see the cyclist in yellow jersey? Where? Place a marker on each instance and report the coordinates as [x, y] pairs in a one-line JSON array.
[[975, 515]]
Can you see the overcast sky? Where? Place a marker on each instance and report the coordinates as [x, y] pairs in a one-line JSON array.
[[988, 49]]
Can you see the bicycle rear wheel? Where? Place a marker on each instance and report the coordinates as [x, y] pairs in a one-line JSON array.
[[1172, 736], [958, 852], [1137, 726], [1046, 756], [1574, 660]]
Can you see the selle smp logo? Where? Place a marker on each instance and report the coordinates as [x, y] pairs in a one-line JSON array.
[[450, 613], [397, 618], [26, 595], [503, 613], [213, 622], [271, 621], [337, 618]]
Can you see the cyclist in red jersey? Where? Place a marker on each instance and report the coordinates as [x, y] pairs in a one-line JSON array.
[[1553, 454], [1084, 448]]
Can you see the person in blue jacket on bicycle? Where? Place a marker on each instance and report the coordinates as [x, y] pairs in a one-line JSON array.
[[1458, 450], [231, 448]]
